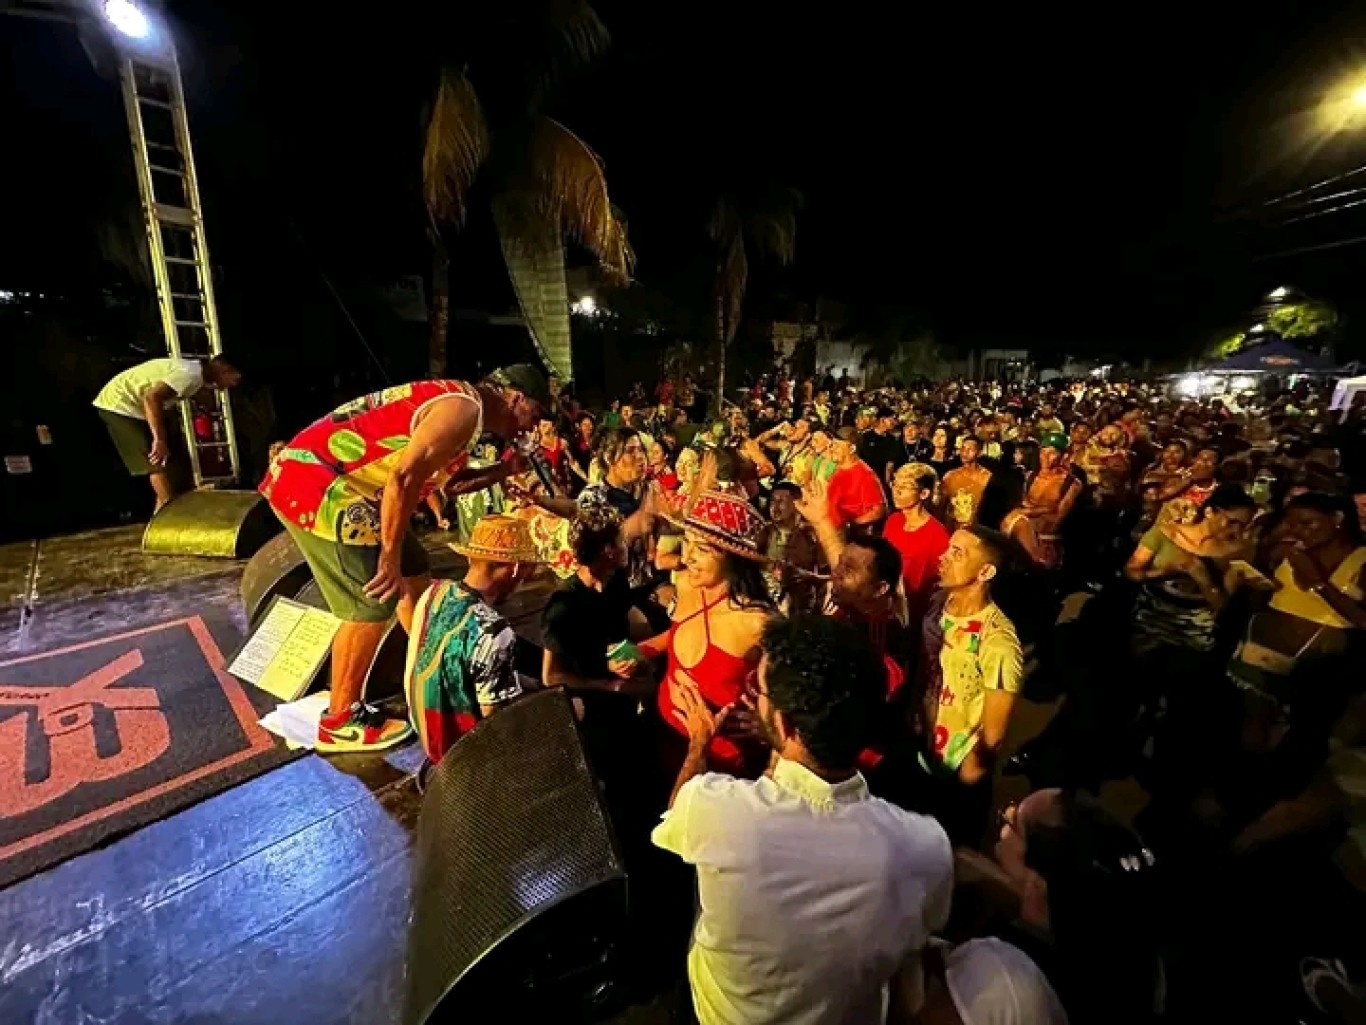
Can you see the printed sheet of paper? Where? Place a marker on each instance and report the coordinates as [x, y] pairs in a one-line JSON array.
[[285, 652]]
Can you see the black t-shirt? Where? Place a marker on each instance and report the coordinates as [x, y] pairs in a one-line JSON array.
[[580, 623], [877, 450], [917, 451]]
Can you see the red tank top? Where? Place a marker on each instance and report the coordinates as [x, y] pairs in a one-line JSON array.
[[721, 677], [329, 479]]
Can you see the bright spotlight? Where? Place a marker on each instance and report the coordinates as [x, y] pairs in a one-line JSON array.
[[1359, 96], [128, 18], [1278, 293], [586, 306]]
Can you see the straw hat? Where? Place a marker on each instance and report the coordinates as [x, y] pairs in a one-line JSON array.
[[498, 538], [729, 522]]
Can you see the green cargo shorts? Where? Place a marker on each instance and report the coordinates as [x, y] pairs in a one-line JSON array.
[[342, 571], [133, 439]]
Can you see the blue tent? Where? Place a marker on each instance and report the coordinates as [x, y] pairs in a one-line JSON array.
[[1275, 357]]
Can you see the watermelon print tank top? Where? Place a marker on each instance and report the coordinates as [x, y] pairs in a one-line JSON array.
[[329, 480]]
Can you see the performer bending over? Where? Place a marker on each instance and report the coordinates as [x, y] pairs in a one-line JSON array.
[[133, 406], [346, 487]]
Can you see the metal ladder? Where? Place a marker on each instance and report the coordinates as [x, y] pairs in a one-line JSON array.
[[155, 104]]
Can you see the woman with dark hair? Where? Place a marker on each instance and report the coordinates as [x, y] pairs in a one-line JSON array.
[[943, 455], [581, 447], [713, 641], [1318, 607], [556, 454], [1025, 455]]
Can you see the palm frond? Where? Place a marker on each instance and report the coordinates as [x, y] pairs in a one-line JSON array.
[[775, 237], [726, 221], [772, 225], [457, 145], [571, 189], [574, 36]]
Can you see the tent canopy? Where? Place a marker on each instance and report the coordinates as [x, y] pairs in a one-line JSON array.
[[1276, 357], [1346, 388]]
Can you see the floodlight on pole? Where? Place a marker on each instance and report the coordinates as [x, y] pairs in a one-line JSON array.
[[128, 19]]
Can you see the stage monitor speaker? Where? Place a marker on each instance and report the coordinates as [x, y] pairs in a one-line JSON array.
[[219, 524], [519, 896], [312, 595], [277, 569]]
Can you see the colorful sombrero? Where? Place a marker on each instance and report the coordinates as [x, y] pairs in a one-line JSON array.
[[498, 538], [729, 522]]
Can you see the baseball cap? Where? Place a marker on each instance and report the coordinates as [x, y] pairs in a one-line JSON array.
[[527, 379]]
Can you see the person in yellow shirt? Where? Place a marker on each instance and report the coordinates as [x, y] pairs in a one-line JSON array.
[[979, 670]]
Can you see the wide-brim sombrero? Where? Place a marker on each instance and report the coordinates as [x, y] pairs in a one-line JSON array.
[[729, 522]]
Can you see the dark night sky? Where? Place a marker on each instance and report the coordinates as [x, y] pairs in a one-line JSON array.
[[1020, 175]]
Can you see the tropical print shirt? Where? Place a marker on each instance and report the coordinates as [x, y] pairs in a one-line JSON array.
[[461, 655], [329, 479]]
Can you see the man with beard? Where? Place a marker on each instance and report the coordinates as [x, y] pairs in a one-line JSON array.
[[805, 852], [346, 489]]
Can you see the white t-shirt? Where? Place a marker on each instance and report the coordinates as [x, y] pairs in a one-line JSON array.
[[994, 983], [124, 392], [811, 895]]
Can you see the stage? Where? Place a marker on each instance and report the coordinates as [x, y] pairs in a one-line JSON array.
[[284, 893]]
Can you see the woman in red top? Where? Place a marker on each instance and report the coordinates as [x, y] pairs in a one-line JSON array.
[[659, 469], [713, 642], [581, 448], [556, 454]]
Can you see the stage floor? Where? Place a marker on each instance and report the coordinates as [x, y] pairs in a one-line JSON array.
[[288, 892]]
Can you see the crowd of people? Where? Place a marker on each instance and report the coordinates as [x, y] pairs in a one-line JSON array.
[[803, 637]]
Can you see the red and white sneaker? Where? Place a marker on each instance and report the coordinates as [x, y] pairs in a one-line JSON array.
[[361, 727]]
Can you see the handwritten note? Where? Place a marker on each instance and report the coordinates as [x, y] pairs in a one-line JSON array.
[[285, 652]]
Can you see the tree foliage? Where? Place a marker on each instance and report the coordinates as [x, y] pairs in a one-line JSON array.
[[762, 226], [1228, 345], [1312, 318], [488, 127]]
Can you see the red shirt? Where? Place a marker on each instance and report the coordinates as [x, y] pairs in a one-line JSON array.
[[853, 492], [920, 551]]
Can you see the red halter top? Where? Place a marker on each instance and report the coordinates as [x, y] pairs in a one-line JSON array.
[[720, 676]]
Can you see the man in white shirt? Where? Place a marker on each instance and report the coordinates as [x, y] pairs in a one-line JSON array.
[[134, 403], [811, 892]]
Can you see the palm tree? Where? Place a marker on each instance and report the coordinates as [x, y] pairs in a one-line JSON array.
[[765, 228], [543, 183]]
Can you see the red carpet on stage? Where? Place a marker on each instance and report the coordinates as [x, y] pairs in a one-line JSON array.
[[105, 736]]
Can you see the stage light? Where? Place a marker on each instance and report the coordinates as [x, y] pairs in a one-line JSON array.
[[128, 18], [586, 306]]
